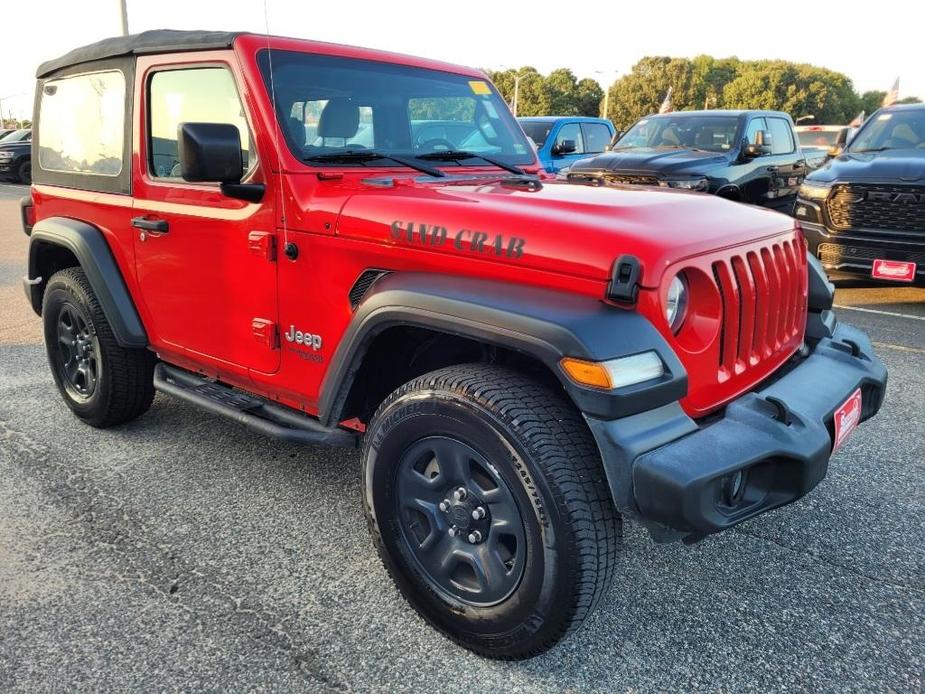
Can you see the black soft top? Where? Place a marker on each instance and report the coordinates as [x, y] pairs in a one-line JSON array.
[[154, 41]]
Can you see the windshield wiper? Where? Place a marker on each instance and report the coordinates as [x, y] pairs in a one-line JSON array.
[[460, 155], [871, 149], [363, 155]]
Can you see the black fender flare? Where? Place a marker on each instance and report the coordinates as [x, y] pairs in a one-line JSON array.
[[89, 246], [545, 324]]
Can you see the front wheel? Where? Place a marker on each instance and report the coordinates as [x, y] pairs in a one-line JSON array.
[[486, 498]]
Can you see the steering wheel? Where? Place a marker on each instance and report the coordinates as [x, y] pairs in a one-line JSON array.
[[435, 142]]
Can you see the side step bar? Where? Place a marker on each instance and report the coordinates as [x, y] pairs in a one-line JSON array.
[[271, 420]]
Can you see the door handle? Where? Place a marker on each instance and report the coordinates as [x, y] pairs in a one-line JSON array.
[[773, 169], [159, 225]]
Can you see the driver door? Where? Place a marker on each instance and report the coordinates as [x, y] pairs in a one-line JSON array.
[[205, 263]]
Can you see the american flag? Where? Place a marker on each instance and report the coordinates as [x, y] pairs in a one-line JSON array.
[[858, 120], [892, 96], [666, 106]]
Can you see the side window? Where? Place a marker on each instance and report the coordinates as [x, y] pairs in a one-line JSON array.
[[81, 126], [781, 136], [596, 137], [754, 126], [196, 95], [571, 131]]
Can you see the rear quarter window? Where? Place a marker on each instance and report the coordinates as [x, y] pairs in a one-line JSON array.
[[82, 122]]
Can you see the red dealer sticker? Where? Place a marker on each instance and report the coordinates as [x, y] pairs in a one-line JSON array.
[[847, 418], [894, 270]]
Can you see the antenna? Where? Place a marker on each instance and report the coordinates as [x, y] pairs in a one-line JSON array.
[[276, 127]]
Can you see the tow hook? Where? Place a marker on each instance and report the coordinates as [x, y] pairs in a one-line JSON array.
[[781, 412]]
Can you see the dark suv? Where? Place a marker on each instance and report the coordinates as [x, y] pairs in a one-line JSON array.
[[864, 211], [747, 156], [16, 156]]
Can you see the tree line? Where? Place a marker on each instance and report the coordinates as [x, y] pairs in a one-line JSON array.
[[696, 83]]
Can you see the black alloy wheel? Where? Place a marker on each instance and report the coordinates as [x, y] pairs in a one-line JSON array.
[[77, 352], [460, 521], [486, 498]]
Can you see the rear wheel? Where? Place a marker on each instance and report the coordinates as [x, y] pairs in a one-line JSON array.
[[103, 384], [487, 501], [24, 173]]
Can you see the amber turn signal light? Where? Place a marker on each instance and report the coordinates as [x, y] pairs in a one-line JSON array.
[[587, 373]]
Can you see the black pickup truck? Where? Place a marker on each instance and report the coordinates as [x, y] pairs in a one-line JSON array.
[[16, 156], [748, 156], [863, 213]]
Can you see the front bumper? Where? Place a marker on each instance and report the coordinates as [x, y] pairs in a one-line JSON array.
[[677, 474]]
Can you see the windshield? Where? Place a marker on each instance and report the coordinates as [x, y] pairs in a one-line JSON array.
[[818, 138], [900, 129], [18, 135], [538, 131], [710, 133], [328, 104]]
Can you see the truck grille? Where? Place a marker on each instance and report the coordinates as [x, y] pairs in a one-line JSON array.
[[633, 180], [849, 207], [835, 254], [763, 294]]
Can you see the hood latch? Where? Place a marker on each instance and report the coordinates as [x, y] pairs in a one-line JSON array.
[[624, 280]]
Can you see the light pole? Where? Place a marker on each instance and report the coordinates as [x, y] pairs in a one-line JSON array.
[[516, 97], [607, 84], [517, 78], [123, 16]]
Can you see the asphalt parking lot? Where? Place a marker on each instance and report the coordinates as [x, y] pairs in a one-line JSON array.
[[182, 552]]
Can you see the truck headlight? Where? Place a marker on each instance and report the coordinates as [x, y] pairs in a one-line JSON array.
[[693, 183], [615, 373], [814, 191], [676, 302]]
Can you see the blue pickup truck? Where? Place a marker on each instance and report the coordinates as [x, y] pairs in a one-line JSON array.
[[563, 140]]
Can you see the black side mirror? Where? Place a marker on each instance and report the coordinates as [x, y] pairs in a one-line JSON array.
[[761, 146], [211, 153], [564, 147]]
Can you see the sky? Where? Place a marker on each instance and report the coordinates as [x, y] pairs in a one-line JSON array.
[[600, 39]]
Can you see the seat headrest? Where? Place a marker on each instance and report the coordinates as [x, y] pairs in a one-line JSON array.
[[339, 118]]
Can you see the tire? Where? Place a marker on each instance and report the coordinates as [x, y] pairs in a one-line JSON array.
[[103, 384], [549, 543], [24, 173]]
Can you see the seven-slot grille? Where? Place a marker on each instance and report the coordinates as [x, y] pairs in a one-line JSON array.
[[764, 304], [850, 208]]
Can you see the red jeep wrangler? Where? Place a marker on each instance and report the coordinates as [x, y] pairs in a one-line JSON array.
[[343, 246]]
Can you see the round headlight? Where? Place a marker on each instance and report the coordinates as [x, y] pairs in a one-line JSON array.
[[676, 303]]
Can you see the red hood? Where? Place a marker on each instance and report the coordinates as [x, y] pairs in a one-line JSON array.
[[561, 227]]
